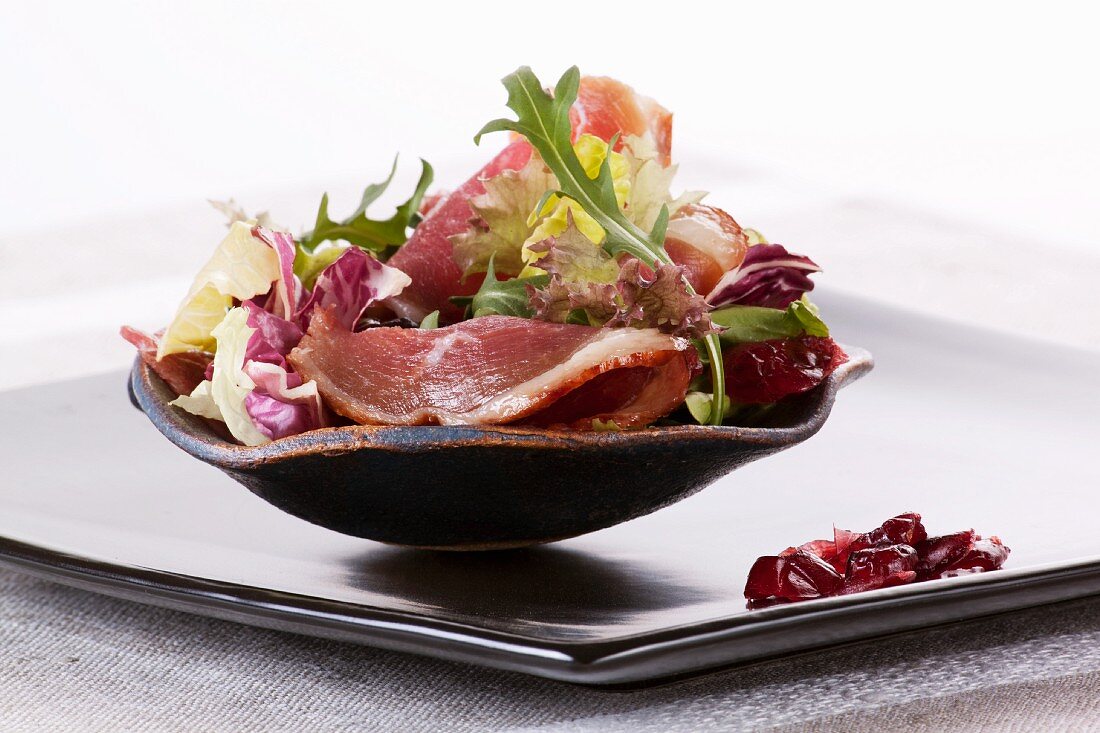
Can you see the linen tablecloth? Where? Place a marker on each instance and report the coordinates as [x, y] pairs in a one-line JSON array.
[[74, 660]]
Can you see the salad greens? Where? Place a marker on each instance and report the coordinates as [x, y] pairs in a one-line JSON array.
[[543, 119], [748, 324], [381, 236], [508, 297]]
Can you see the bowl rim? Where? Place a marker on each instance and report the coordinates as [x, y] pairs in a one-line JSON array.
[[150, 394]]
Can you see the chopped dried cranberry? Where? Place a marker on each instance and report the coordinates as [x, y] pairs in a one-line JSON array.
[[988, 554], [937, 553], [880, 567], [794, 577], [896, 553], [767, 371]]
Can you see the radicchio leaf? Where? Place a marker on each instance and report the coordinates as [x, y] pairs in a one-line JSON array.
[[769, 277], [287, 291], [351, 284]]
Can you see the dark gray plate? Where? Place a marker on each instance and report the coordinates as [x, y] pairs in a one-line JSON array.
[[965, 426]]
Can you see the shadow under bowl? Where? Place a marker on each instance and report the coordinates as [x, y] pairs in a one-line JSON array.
[[478, 488]]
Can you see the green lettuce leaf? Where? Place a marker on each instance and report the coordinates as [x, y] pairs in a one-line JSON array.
[[501, 224], [572, 256], [748, 324], [543, 119], [309, 264]]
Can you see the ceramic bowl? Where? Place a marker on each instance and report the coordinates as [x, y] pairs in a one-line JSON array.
[[475, 488]]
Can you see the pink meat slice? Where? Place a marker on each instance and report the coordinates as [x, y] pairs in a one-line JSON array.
[[426, 257], [181, 371], [495, 370]]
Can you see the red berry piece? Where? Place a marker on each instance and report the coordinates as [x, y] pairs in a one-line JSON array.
[[767, 371], [938, 553], [880, 567], [898, 552], [795, 577], [982, 555]]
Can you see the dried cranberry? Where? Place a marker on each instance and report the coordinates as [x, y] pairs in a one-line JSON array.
[[904, 529], [896, 553], [767, 371], [937, 553], [880, 567], [794, 577], [982, 555]]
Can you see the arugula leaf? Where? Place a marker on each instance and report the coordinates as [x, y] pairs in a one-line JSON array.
[[502, 297], [543, 119], [376, 235], [748, 323]]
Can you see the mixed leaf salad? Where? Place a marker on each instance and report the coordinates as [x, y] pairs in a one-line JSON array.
[[563, 285]]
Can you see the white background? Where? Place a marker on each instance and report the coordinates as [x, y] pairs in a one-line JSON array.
[[942, 156]]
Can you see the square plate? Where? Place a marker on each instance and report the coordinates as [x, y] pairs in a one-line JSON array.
[[965, 426]]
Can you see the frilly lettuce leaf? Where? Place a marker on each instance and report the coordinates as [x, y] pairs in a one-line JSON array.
[[242, 267], [638, 296], [222, 397], [558, 301], [351, 284], [573, 257], [556, 211], [501, 226], [662, 300], [650, 184]]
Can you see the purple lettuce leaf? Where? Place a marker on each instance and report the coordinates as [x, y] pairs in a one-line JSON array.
[[770, 277], [287, 292], [281, 405], [350, 285]]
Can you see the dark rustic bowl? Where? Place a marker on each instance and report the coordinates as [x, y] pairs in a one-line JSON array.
[[473, 488]]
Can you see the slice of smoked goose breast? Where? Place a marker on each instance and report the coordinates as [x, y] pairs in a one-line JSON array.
[[496, 370]]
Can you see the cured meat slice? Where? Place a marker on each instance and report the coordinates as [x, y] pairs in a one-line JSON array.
[[603, 108], [606, 106], [426, 257], [707, 242], [496, 370], [182, 370]]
